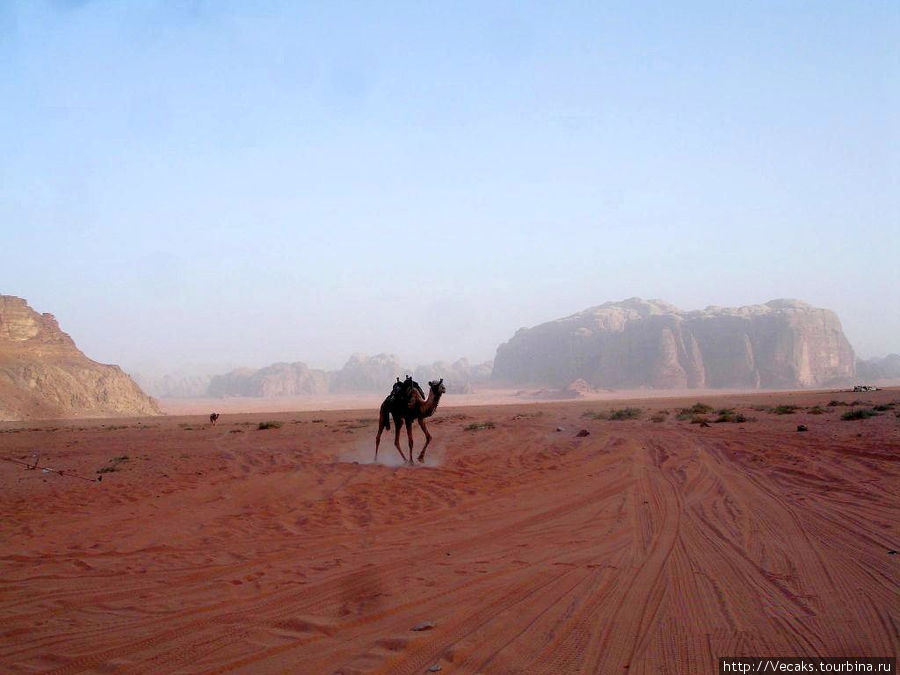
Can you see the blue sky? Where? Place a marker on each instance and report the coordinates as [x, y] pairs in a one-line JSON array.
[[244, 183]]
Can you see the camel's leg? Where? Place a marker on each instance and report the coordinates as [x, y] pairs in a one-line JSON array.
[[409, 434], [397, 438], [427, 440], [383, 423]]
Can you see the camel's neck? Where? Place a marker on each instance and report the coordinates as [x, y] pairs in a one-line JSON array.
[[431, 403]]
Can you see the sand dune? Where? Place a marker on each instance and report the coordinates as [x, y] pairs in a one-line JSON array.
[[656, 546]]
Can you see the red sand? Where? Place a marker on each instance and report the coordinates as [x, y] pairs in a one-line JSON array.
[[657, 546]]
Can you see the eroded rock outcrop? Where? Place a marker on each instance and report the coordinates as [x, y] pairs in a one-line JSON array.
[[639, 343], [43, 374]]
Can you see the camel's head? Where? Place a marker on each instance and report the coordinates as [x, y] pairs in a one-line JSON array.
[[437, 386]]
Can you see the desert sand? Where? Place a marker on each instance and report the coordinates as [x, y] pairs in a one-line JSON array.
[[517, 547]]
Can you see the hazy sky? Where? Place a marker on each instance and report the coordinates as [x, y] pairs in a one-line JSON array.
[[244, 183]]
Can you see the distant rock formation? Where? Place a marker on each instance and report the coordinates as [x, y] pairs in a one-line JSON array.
[[361, 373], [459, 376], [368, 373], [638, 343], [172, 385], [279, 379], [884, 368], [43, 375]]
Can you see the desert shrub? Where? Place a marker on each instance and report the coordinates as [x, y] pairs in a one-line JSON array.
[[625, 414], [816, 410], [833, 403], [693, 411], [858, 414], [478, 426], [591, 415], [730, 415], [113, 464], [659, 417], [884, 407], [271, 424], [785, 409], [699, 419]]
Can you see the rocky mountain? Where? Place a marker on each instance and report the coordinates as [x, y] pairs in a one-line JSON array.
[[174, 385], [638, 343], [459, 376], [884, 368], [44, 375], [368, 373], [279, 379], [361, 373]]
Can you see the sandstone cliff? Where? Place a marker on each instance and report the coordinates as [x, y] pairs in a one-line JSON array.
[[638, 343], [44, 375]]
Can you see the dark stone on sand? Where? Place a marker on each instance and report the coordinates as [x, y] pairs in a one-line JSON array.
[[583, 433], [425, 625], [802, 427], [433, 669]]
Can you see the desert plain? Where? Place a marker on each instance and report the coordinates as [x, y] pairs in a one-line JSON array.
[[650, 545]]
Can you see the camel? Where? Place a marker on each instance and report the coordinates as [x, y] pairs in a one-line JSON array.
[[414, 408], [213, 418]]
